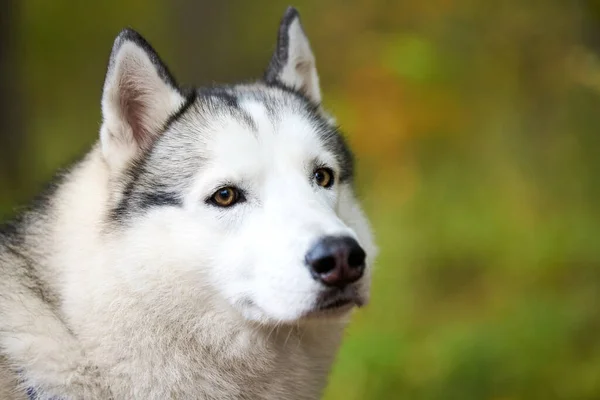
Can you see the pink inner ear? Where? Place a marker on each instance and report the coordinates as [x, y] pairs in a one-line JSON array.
[[133, 104]]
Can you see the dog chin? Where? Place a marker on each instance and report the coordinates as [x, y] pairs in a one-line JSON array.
[[329, 304]]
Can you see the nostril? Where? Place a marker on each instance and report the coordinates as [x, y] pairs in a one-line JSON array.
[[324, 264], [356, 258], [336, 261]]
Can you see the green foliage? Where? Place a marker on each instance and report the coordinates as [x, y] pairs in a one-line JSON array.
[[412, 58]]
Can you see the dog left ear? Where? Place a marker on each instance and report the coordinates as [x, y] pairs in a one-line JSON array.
[[293, 62], [138, 98]]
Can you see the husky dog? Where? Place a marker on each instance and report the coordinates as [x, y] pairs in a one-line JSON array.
[[209, 246]]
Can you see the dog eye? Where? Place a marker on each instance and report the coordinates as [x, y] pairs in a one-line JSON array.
[[324, 177], [226, 197]]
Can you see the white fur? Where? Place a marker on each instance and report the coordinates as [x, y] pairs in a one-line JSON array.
[[190, 302], [159, 306]]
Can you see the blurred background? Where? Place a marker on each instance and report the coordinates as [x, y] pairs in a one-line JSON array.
[[476, 127]]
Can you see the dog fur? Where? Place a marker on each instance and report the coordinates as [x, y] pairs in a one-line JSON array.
[[124, 281]]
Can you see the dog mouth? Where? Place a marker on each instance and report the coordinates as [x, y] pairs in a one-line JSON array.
[[337, 302]]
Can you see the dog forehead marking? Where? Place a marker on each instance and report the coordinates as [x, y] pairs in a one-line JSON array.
[[285, 140], [289, 132], [258, 112]]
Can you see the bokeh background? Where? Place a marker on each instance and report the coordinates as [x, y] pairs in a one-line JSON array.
[[476, 126]]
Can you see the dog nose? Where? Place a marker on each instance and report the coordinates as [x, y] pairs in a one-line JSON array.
[[336, 261]]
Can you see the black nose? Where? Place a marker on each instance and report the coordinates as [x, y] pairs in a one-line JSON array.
[[336, 261]]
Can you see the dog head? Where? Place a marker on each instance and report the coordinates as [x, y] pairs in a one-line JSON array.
[[247, 188]]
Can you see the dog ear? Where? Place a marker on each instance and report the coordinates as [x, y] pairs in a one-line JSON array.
[[293, 63], [138, 98]]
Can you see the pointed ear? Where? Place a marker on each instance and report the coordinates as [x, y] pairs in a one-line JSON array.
[[138, 98], [293, 63]]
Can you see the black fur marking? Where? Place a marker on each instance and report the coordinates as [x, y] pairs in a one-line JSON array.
[[296, 92], [225, 94], [281, 53], [119, 213], [142, 192], [190, 95], [11, 230], [129, 35], [222, 93], [158, 199]]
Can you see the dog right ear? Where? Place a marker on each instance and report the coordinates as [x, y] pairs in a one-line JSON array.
[[293, 62], [138, 98]]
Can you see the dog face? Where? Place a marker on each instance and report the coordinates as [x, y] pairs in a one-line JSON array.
[[248, 187]]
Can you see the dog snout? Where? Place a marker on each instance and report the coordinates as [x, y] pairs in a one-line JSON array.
[[336, 261]]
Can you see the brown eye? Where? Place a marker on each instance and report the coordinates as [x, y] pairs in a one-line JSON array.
[[225, 197], [324, 177]]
